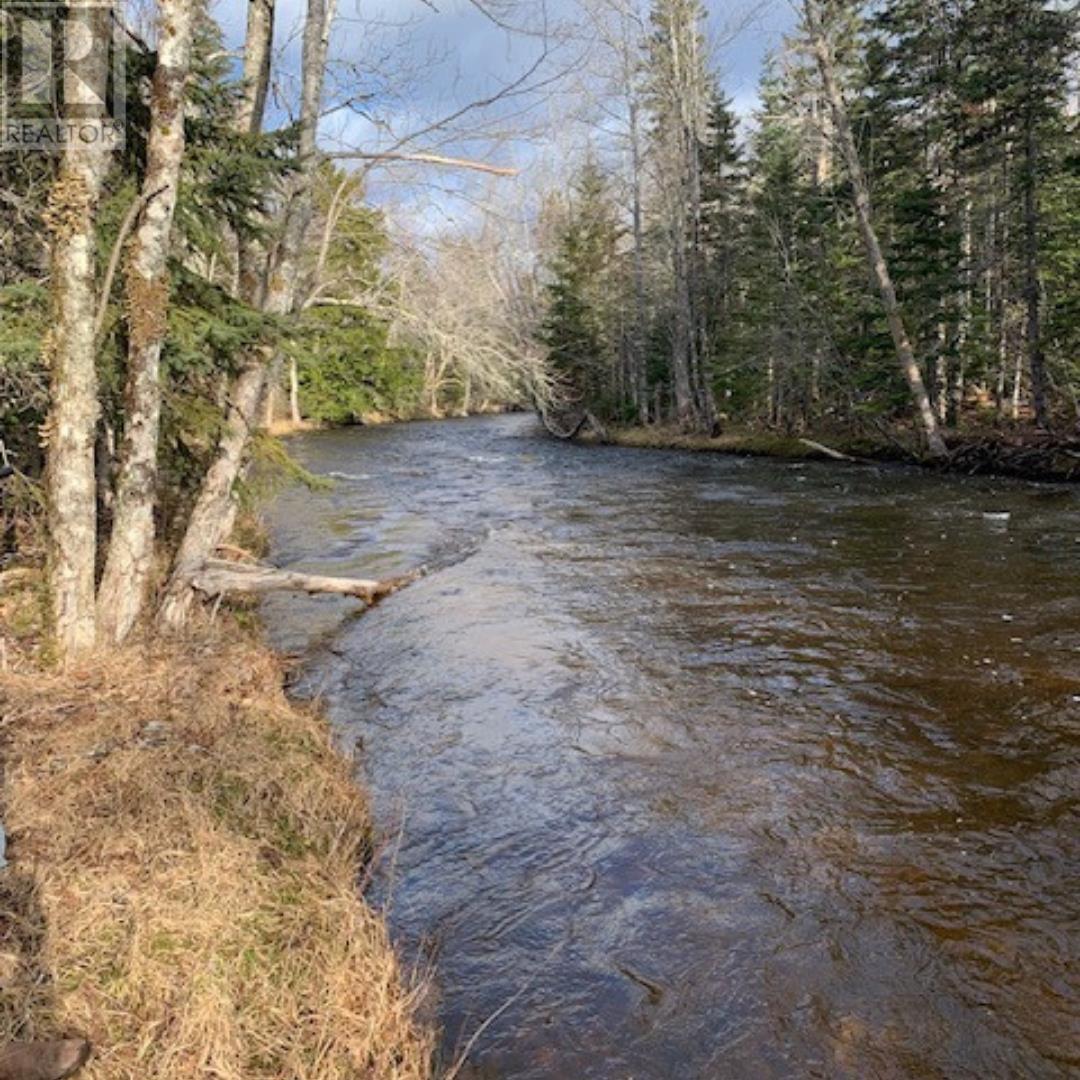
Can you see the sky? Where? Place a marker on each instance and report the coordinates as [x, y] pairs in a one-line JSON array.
[[400, 65]]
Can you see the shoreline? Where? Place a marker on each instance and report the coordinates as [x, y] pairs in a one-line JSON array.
[[284, 429], [1018, 455], [972, 456], [188, 849]]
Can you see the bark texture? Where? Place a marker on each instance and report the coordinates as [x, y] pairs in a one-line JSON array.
[[130, 560], [70, 346], [257, 52]]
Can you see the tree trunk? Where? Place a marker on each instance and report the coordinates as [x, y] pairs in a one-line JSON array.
[[215, 507], [639, 375], [258, 50], [294, 392], [682, 338], [130, 561], [1032, 283], [69, 347], [864, 212], [258, 47], [216, 577]]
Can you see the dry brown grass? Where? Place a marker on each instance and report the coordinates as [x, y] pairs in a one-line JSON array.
[[186, 847]]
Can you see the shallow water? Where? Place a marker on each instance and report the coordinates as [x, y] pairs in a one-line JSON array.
[[696, 766]]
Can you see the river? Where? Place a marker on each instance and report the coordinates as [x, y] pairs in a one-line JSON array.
[[699, 766]]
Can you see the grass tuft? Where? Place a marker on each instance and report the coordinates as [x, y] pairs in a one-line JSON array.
[[186, 847]]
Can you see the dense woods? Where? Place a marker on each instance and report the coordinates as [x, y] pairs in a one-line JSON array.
[[887, 248], [889, 245]]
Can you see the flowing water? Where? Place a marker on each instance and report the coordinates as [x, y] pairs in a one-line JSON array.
[[696, 766]]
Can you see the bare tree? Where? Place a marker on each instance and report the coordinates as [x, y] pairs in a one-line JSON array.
[[679, 99], [620, 27], [468, 307]]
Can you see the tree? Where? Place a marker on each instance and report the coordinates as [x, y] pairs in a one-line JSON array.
[[679, 100], [577, 329], [1016, 82], [822, 23], [130, 560], [213, 515], [70, 348]]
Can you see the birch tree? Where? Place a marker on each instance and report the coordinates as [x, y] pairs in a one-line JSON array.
[[679, 99], [214, 512], [130, 561], [69, 348]]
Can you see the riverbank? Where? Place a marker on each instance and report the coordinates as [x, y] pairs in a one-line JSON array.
[[187, 852], [1016, 454], [284, 428]]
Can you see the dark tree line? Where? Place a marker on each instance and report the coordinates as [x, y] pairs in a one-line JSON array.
[[895, 242]]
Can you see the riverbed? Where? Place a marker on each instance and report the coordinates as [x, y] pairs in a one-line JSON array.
[[698, 766]]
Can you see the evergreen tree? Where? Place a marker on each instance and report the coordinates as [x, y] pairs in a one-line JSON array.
[[577, 329]]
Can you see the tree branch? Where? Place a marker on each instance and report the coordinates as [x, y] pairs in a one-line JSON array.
[[126, 227], [438, 160]]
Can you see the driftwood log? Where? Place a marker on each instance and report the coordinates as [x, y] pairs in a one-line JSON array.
[[52, 1060], [219, 576]]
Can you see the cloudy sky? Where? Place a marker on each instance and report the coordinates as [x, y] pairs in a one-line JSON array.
[[401, 65]]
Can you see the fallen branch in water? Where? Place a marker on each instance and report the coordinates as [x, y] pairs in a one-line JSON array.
[[218, 576], [828, 451]]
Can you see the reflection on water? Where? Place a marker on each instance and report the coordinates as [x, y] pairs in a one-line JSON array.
[[708, 767]]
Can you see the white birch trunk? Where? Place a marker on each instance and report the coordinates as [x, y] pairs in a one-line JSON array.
[[130, 561], [70, 348], [215, 508], [294, 392], [257, 52], [258, 49]]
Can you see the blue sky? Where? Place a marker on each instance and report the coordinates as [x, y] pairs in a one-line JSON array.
[[416, 61]]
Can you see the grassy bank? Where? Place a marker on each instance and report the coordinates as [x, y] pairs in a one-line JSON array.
[[1020, 454], [186, 849]]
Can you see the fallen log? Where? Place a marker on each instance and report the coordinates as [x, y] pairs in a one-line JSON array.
[[217, 577]]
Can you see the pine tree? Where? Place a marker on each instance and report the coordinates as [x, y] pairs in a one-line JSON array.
[[577, 329]]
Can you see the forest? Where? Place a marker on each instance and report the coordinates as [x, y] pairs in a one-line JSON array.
[[891, 246], [886, 250], [877, 252]]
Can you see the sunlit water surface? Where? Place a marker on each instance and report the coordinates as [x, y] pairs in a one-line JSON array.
[[697, 766]]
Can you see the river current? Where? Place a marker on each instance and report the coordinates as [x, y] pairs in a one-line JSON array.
[[699, 766]]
